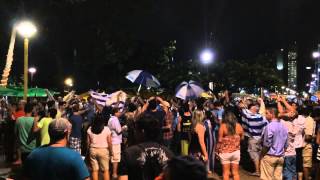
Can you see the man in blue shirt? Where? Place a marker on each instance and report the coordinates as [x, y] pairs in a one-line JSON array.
[[55, 161], [274, 144]]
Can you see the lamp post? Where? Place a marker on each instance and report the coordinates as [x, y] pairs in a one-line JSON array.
[[32, 71], [206, 57], [26, 29]]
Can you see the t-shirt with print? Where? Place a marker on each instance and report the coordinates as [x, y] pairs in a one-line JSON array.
[[144, 161]]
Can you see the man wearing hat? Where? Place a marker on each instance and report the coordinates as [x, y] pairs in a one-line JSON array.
[[56, 161]]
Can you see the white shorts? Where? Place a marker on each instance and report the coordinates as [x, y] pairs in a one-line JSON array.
[[230, 158]]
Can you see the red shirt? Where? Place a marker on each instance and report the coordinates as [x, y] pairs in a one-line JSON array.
[[18, 114]]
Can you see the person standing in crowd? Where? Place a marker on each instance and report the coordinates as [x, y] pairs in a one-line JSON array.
[[19, 112], [43, 126], [147, 159], [75, 136], [116, 138], [289, 167], [100, 147], [26, 137], [209, 141], [197, 147], [167, 129], [309, 132], [184, 128], [230, 134], [56, 161], [253, 124], [158, 108], [275, 138], [61, 111]]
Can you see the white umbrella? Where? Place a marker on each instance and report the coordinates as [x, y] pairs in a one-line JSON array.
[[189, 90]]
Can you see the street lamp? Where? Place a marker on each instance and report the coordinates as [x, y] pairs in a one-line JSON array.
[[32, 71], [68, 82], [316, 54], [26, 29], [206, 57]]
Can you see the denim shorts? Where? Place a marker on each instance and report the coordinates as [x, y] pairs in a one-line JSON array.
[[289, 167]]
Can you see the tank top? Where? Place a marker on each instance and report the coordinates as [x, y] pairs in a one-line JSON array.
[[185, 127], [229, 144], [194, 144]]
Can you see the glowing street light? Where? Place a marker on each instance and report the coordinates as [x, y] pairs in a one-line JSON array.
[[32, 71], [206, 56], [308, 67], [68, 82], [26, 29], [316, 54]]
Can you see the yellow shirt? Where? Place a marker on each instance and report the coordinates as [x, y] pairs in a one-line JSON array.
[[44, 134]]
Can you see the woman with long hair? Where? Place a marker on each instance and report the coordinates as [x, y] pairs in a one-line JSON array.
[[99, 142], [197, 147], [230, 134]]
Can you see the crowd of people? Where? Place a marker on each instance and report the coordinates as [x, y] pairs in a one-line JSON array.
[[167, 139]]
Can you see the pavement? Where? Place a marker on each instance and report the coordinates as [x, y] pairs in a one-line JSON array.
[[245, 175]]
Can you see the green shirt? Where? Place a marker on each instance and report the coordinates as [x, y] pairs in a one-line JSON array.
[[44, 133], [25, 134]]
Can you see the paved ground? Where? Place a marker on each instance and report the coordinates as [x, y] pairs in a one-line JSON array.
[[243, 175]]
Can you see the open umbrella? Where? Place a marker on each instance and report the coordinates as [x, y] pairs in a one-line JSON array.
[[189, 90], [7, 91], [143, 78], [35, 92]]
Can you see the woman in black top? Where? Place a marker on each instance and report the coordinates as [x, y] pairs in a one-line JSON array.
[[184, 127]]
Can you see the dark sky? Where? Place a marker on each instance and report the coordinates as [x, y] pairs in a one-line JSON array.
[[237, 29]]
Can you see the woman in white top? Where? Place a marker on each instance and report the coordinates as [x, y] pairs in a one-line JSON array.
[[99, 142]]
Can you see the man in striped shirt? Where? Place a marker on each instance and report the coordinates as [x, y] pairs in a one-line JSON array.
[[253, 123]]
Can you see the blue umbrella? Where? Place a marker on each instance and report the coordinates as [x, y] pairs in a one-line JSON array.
[[189, 90], [143, 78]]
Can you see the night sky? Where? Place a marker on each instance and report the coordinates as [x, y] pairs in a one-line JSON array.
[[69, 32]]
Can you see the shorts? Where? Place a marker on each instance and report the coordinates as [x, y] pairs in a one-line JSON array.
[[75, 144], [289, 167], [254, 149], [230, 158], [307, 156], [99, 159], [116, 153]]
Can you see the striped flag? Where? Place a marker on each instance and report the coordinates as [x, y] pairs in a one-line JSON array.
[[117, 98], [101, 98]]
